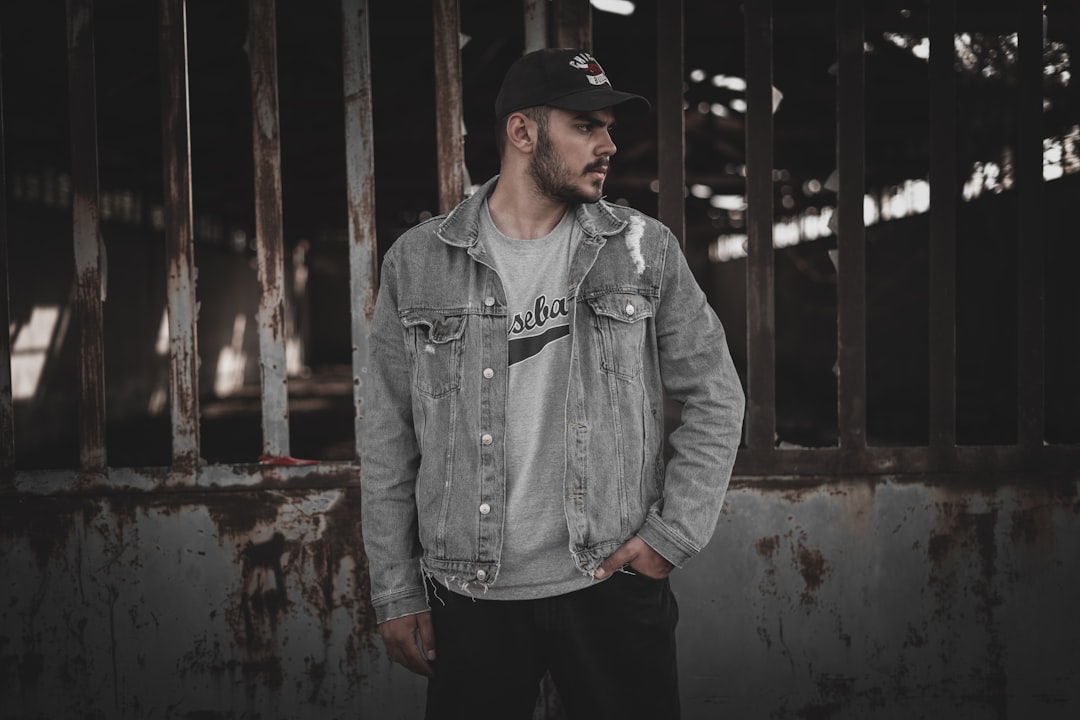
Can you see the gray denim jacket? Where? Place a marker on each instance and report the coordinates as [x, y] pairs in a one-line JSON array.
[[433, 465]]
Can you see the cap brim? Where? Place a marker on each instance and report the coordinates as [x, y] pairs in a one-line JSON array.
[[600, 98]]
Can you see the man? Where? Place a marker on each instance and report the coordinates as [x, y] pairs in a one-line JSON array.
[[517, 513]]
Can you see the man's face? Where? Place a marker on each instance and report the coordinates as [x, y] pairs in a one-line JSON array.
[[572, 153]]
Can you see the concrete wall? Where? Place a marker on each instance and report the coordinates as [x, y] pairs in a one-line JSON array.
[[854, 599]]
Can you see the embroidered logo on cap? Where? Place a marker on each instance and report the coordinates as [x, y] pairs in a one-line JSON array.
[[593, 71]]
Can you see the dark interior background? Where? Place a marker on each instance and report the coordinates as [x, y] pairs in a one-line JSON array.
[[37, 153]]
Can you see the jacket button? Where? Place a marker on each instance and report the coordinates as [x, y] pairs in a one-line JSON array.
[[489, 373], [489, 301], [486, 439], [485, 509], [480, 574], [629, 309]]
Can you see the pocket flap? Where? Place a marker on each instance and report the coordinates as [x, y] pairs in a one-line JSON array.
[[626, 307], [441, 328]]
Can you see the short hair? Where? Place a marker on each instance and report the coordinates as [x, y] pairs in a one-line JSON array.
[[537, 113]]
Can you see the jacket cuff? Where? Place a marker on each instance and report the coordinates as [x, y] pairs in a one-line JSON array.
[[408, 602], [674, 547]]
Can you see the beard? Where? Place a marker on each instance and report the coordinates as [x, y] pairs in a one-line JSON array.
[[555, 180]]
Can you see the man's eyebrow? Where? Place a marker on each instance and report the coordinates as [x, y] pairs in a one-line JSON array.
[[595, 119]]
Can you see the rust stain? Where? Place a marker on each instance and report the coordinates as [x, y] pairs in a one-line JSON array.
[[46, 523], [858, 501], [958, 528], [277, 313], [330, 572], [341, 540], [258, 611], [370, 295], [964, 540], [263, 580], [766, 547], [1033, 526], [813, 568], [239, 514]]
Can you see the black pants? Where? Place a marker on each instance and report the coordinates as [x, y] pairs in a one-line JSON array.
[[610, 649]]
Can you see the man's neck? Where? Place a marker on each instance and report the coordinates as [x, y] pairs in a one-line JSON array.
[[520, 211]]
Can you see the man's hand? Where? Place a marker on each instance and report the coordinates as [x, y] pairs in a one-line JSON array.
[[641, 558], [400, 637]]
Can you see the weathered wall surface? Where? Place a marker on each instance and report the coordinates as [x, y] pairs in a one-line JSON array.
[[846, 600], [218, 605], [883, 600]]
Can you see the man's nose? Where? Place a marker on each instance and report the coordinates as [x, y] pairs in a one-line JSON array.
[[607, 147]]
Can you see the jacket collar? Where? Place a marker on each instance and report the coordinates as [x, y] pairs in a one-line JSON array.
[[460, 227]]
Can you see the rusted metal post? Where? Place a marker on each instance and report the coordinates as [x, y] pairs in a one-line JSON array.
[[536, 26], [851, 241], [1030, 367], [943, 203], [360, 166], [573, 24], [449, 115], [671, 118], [262, 35], [760, 273], [179, 241], [87, 236], [7, 408]]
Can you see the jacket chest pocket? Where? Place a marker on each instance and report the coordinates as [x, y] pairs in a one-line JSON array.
[[435, 346], [620, 324]]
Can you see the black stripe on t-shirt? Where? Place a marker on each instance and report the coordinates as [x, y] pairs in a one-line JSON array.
[[524, 348]]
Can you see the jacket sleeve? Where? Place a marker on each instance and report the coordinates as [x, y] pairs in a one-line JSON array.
[[390, 459], [698, 373]]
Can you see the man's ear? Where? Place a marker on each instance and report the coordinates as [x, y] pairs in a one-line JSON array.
[[521, 132]]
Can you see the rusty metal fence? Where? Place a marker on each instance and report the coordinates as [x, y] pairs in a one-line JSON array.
[[1030, 455], [570, 24]]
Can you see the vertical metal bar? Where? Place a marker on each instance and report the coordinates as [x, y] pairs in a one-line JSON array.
[[449, 116], [536, 26], [1030, 336], [760, 279], [943, 203], [267, 148], [671, 118], [851, 282], [573, 24], [360, 166], [179, 240], [87, 235], [1031, 371], [7, 408]]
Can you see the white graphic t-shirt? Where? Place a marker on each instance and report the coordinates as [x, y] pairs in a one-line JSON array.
[[535, 560]]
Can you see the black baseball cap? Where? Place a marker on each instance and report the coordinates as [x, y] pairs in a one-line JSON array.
[[567, 78]]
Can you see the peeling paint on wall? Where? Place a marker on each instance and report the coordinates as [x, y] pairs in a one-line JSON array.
[[185, 603]]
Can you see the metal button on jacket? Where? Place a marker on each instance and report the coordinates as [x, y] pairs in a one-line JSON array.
[[629, 308], [480, 574], [489, 373], [489, 301], [486, 439], [485, 509]]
